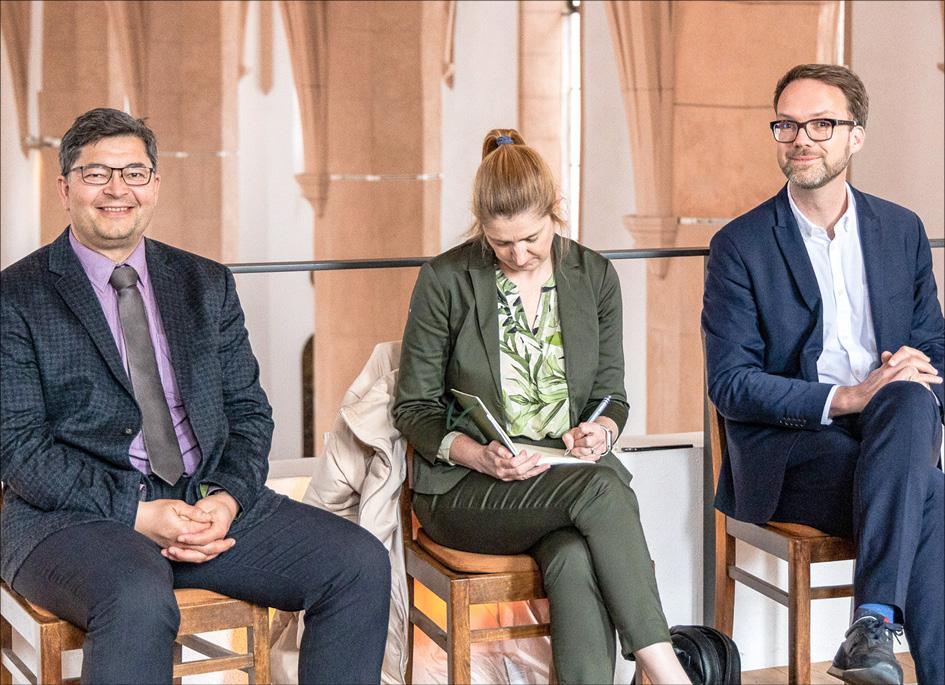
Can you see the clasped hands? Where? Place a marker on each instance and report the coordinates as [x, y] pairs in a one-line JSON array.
[[906, 364], [189, 533]]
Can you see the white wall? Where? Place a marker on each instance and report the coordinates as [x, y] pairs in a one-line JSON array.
[[19, 192], [276, 224], [484, 96]]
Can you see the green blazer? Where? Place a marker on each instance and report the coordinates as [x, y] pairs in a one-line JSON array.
[[452, 341]]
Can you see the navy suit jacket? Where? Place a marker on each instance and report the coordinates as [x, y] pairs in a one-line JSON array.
[[67, 411], [763, 323]]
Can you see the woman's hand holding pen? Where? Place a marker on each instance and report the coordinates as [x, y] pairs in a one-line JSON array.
[[587, 440], [495, 460]]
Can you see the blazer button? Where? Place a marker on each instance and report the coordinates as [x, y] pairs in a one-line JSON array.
[[128, 431]]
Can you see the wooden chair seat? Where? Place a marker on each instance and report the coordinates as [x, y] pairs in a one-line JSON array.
[[470, 562], [798, 545], [462, 579], [201, 611], [799, 530]]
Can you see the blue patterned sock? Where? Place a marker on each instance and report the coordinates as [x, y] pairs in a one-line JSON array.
[[882, 609]]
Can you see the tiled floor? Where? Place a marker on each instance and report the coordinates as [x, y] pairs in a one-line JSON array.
[[818, 673]]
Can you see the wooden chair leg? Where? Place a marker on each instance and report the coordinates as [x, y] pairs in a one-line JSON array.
[[50, 655], [724, 584], [178, 659], [257, 641], [411, 628], [799, 614], [458, 656], [6, 643]]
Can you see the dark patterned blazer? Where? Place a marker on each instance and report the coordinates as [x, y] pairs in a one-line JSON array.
[[67, 412]]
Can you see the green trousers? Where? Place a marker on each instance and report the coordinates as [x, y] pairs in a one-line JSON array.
[[582, 526]]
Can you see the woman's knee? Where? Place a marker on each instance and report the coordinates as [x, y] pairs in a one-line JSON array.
[[563, 557], [606, 498]]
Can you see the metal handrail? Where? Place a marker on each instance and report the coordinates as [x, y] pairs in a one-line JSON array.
[[397, 263]]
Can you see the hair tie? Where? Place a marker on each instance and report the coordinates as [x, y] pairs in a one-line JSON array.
[[504, 140]]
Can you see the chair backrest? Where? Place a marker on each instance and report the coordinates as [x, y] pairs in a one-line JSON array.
[[408, 522], [717, 442]]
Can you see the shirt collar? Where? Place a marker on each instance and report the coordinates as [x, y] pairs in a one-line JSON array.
[[98, 268], [809, 229]]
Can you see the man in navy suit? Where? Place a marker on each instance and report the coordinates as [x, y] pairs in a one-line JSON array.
[[91, 531], [824, 353]]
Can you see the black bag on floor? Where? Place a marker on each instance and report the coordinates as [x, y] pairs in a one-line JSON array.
[[708, 656]]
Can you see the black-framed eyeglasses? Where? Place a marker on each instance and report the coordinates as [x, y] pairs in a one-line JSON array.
[[818, 130], [100, 175]]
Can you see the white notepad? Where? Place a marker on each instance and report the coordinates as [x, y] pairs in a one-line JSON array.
[[493, 430]]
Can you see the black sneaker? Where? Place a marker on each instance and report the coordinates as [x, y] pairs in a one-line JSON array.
[[866, 656]]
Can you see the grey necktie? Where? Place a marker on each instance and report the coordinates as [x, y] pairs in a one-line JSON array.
[[160, 440]]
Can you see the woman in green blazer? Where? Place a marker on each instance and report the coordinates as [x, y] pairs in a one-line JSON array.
[[531, 323]]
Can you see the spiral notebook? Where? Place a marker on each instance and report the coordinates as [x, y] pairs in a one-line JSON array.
[[493, 430]]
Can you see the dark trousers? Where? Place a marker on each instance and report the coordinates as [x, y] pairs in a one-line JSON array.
[[582, 525], [113, 583], [873, 477]]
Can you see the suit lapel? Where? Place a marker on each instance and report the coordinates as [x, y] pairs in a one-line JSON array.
[[871, 242], [481, 269], [577, 312], [171, 303], [788, 235], [76, 291]]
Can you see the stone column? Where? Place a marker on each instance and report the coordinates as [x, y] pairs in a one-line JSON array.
[[75, 79], [382, 199], [723, 164], [177, 64], [539, 79]]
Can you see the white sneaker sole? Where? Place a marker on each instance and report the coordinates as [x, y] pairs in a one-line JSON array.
[[881, 674]]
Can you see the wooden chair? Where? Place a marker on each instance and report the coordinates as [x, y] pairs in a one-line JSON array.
[[201, 611], [799, 545], [462, 579]]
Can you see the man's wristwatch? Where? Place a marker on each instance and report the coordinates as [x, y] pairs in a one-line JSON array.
[[608, 439]]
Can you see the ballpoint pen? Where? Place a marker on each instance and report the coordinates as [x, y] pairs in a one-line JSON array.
[[598, 410]]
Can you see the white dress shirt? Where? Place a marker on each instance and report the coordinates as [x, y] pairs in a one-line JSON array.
[[849, 351]]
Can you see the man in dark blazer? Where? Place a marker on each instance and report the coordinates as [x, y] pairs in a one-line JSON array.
[[91, 531], [824, 352]]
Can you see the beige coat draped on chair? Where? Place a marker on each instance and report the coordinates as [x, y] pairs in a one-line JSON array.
[[358, 477]]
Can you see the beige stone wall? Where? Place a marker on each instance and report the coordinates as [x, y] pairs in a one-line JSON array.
[[897, 49], [383, 120], [189, 53], [75, 79], [726, 59], [539, 73]]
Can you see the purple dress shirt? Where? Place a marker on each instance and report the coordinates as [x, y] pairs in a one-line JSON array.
[[99, 269]]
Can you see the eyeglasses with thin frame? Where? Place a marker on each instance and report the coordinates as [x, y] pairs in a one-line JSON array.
[[818, 130], [100, 174]]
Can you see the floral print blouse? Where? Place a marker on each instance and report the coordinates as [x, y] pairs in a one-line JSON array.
[[531, 357]]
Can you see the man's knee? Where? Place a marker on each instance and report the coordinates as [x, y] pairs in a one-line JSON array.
[[367, 563], [138, 604], [904, 398]]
